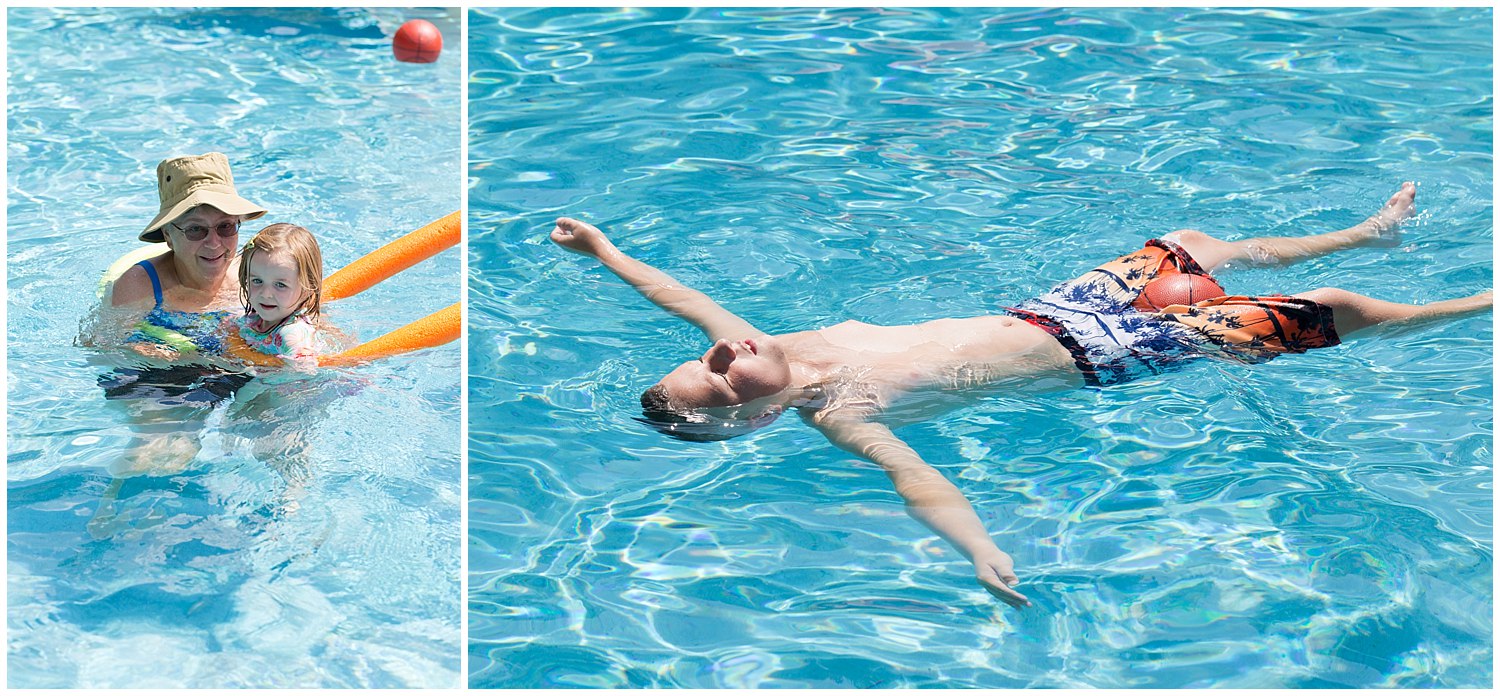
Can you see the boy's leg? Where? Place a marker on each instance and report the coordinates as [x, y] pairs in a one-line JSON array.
[[1380, 228], [1353, 312]]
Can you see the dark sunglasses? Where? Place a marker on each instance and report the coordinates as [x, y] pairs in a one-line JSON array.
[[197, 233]]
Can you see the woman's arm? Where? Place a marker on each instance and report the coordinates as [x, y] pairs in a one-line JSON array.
[[132, 287], [930, 499], [683, 302]]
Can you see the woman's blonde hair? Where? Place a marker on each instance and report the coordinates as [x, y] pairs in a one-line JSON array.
[[298, 243]]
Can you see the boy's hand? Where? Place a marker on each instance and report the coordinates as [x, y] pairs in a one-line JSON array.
[[995, 573], [579, 236]]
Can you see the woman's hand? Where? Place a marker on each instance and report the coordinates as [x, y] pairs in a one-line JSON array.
[[579, 236], [996, 574], [155, 351]]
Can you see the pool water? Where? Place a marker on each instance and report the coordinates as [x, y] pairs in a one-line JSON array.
[[1321, 521], [314, 539]]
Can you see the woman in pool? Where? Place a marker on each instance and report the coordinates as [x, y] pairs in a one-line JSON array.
[[848, 380], [281, 287], [187, 289], [184, 296]]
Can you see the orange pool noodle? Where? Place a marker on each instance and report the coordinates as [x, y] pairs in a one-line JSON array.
[[393, 258], [245, 354], [432, 330]]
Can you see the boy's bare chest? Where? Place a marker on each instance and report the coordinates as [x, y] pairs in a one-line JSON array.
[[960, 340]]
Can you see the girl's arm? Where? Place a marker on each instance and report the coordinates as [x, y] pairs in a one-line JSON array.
[[299, 342]]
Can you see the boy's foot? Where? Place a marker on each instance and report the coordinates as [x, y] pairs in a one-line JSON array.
[[1384, 227]]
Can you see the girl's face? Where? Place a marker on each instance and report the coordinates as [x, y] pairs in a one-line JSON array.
[[274, 286]]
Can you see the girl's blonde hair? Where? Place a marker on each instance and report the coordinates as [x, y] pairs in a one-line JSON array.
[[296, 242]]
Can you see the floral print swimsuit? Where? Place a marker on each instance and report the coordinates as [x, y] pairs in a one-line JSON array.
[[294, 337]]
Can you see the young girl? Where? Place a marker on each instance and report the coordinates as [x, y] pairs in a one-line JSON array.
[[281, 286]]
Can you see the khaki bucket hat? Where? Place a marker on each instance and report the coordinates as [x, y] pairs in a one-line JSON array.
[[186, 182]]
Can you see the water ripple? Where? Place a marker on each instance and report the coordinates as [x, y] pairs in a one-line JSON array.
[[1320, 521]]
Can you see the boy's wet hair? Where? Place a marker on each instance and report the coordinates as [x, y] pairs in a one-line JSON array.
[[693, 426], [296, 242], [655, 399]]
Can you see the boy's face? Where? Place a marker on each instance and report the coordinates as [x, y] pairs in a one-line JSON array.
[[273, 286], [730, 377]]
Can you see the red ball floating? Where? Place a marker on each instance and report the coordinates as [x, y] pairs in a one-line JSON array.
[[417, 41], [1174, 289]]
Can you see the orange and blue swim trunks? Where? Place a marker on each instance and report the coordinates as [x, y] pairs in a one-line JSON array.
[[1094, 316]]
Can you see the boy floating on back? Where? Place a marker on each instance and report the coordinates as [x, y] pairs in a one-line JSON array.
[[854, 381]]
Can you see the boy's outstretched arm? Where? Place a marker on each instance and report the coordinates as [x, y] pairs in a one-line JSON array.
[[930, 498], [686, 303]]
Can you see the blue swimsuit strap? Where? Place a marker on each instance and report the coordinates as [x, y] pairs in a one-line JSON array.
[[156, 329], [155, 281]]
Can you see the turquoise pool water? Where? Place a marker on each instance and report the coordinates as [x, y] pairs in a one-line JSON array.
[[315, 538], [1321, 521]]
